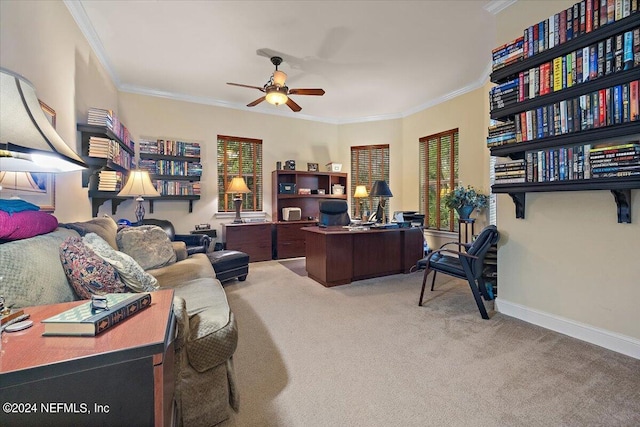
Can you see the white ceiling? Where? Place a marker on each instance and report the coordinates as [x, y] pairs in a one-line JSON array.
[[374, 59]]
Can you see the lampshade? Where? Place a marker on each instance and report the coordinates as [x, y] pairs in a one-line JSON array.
[[237, 185], [361, 191], [276, 95], [28, 141], [138, 184], [279, 78], [380, 189]]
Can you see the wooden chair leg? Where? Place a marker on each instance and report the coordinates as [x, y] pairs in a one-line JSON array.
[[433, 281], [478, 298], [424, 281]]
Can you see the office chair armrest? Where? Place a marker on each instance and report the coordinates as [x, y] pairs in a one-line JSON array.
[[464, 245], [464, 254]]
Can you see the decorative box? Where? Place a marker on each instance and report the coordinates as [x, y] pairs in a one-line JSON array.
[[286, 188], [334, 167], [304, 191]]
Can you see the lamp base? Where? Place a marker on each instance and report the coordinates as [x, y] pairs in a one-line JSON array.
[[140, 210], [238, 205]]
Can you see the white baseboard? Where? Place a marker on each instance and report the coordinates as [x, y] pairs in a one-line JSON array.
[[619, 343]]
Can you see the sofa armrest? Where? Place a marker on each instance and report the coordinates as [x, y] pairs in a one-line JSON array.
[[181, 250], [182, 321], [194, 240]]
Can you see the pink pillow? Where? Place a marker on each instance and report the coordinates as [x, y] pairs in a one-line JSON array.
[[25, 224]]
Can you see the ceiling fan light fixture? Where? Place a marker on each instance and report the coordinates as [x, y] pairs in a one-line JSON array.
[[276, 95], [279, 78]]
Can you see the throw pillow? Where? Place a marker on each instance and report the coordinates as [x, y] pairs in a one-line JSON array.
[[104, 227], [87, 272], [25, 224], [133, 276], [149, 245]]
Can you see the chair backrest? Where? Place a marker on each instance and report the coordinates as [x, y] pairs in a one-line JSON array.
[[334, 212], [488, 236]]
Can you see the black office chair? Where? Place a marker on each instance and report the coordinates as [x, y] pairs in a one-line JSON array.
[[334, 212], [467, 265], [196, 243]]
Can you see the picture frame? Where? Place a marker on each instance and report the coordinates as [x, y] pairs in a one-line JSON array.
[[34, 187], [312, 167]]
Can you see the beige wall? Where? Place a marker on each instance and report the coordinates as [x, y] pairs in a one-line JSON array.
[[569, 258], [41, 41]]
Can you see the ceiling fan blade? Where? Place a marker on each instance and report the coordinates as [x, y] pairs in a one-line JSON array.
[[295, 107], [256, 102], [261, 89], [318, 92]]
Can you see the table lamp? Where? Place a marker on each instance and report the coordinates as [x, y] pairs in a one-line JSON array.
[[380, 189], [360, 193], [139, 185], [238, 187]]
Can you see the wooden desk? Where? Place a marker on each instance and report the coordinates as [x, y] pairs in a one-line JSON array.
[[337, 256], [123, 376], [252, 238]]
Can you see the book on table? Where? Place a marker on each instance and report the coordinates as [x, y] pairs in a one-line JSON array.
[[83, 320]]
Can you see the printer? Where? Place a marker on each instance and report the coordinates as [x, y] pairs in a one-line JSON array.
[[291, 214]]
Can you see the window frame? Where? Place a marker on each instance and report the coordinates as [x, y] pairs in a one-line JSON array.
[[385, 155], [452, 180], [252, 202]]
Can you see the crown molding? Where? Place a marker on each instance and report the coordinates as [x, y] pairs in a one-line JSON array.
[[80, 16], [497, 6]]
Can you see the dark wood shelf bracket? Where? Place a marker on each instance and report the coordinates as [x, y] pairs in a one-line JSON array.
[[518, 200], [623, 202], [96, 202]]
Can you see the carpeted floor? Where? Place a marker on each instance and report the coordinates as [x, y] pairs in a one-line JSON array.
[[365, 354]]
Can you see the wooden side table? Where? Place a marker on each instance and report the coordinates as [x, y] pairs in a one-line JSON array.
[[123, 376]]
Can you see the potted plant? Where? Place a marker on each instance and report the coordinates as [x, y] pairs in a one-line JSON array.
[[464, 200]]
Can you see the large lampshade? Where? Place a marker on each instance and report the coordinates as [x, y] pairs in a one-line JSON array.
[[361, 191], [237, 186], [28, 141]]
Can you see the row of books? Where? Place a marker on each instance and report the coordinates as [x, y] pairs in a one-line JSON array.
[[103, 117], [110, 149], [501, 133], [177, 188], [615, 54], [171, 167], [605, 107], [170, 148], [109, 180], [577, 20], [572, 163]]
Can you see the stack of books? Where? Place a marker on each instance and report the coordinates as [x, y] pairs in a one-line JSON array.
[[510, 172], [100, 117], [100, 147], [502, 133], [109, 180], [508, 53], [504, 95], [615, 160]]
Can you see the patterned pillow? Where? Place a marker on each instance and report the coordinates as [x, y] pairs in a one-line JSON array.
[[87, 272], [104, 227], [133, 276], [149, 245]]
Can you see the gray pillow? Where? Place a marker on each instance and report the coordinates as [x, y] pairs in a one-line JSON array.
[[131, 273], [149, 245]]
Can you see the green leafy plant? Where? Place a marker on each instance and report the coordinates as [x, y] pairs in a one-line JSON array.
[[465, 196]]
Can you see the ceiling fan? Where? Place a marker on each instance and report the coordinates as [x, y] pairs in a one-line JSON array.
[[275, 90]]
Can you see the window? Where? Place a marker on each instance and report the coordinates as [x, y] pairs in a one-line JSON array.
[[438, 176], [369, 163], [240, 157]]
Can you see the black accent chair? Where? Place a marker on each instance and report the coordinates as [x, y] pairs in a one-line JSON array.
[[196, 243], [333, 212], [468, 264]]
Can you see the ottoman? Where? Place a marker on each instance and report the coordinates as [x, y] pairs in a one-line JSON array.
[[229, 264]]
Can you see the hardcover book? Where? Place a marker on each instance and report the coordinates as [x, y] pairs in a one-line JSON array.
[[82, 320]]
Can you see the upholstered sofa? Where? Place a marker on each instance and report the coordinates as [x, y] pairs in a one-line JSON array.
[[32, 274]]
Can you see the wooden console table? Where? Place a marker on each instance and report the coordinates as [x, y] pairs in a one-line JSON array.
[[337, 256], [123, 376]]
